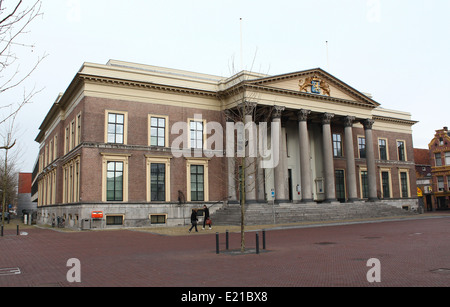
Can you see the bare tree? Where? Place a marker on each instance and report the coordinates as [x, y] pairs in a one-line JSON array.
[[7, 169], [15, 20], [241, 108]]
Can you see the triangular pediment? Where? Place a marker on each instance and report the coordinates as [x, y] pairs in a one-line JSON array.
[[315, 82]]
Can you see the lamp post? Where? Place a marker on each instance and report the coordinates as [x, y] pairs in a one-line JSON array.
[[5, 178]]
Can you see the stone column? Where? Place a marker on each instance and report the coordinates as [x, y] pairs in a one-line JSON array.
[[305, 163], [328, 164], [370, 159], [231, 167], [280, 171], [260, 180], [250, 159], [350, 159]]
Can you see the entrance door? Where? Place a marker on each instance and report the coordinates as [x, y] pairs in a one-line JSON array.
[[290, 184], [429, 206], [340, 185]]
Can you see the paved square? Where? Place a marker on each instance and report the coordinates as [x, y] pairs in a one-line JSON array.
[[412, 252]]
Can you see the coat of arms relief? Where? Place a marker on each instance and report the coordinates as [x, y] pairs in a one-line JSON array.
[[314, 85]]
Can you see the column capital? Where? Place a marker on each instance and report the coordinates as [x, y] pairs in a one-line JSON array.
[[368, 123], [277, 110], [326, 118], [303, 114], [248, 107], [348, 121]]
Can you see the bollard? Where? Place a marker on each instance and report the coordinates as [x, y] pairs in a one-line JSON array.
[[264, 239], [217, 242], [17, 229], [2, 231], [257, 243], [226, 239]]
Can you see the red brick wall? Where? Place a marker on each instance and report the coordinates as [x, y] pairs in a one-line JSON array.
[[24, 183], [94, 131]]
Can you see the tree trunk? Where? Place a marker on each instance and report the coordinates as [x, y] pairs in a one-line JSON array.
[[242, 205]]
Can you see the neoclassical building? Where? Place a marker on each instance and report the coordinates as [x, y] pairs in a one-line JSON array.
[[137, 145]]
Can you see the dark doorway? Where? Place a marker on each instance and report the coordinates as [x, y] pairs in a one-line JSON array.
[[429, 205], [290, 183]]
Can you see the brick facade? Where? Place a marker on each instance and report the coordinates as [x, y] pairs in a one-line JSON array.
[[439, 149]]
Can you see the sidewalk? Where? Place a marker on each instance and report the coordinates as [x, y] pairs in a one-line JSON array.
[[183, 230]]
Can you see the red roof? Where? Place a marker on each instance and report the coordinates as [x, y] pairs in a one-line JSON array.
[[422, 156]]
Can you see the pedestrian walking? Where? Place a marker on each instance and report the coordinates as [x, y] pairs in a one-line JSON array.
[[194, 220], [206, 218]]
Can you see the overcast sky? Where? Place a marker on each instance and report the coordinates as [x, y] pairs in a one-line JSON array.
[[397, 50]]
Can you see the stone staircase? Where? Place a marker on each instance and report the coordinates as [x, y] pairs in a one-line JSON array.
[[263, 213]]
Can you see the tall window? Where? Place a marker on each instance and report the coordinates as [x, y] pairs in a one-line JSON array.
[[50, 152], [385, 184], [114, 181], [340, 185], [71, 181], [196, 134], [364, 184], [72, 134], [158, 182], [401, 151], [197, 183], [404, 184], [157, 178], [79, 129], [157, 131], [447, 158], [67, 138], [116, 124], [382, 146], [337, 145], [362, 147], [440, 180], [438, 159], [55, 147]]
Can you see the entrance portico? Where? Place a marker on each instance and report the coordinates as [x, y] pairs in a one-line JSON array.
[[328, 151]]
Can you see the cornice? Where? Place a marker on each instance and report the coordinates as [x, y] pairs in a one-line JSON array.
[[395, 120], [145, 85], [440, 170]]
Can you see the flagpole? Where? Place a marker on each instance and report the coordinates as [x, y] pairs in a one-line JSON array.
[[242, 61]]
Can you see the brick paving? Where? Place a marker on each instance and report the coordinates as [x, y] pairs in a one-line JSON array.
[[412, 252]]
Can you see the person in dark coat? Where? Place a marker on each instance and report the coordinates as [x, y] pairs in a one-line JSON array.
[[193, 220], [206, 217]]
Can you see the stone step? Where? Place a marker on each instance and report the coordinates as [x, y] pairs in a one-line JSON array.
[[291, 213]]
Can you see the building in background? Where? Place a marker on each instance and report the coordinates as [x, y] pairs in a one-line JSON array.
[[439, 150], [424, 179], [24, 203]]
